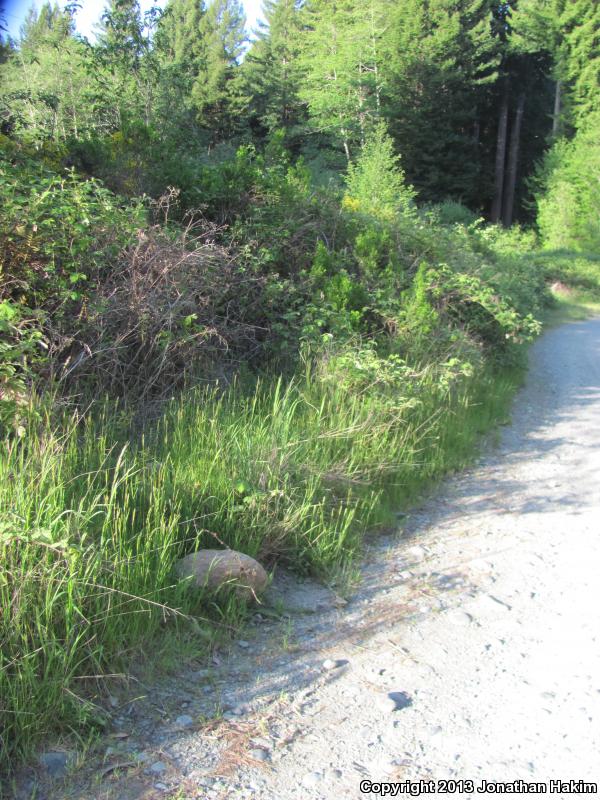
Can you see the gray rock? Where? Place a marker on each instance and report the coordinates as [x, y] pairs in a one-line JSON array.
[[161, 787], [244, 645], [394, 701], [158, 767], [200, 674], [259, 754], [184, 721], [312, 778], [55, 762], [334, 774], [416, 552], [330, 664], [259, 741]]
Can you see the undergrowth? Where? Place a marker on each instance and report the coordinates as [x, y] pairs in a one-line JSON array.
[[292, 471], [275, 374]]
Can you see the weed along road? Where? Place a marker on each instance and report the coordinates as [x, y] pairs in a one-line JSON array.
[[467, 662]]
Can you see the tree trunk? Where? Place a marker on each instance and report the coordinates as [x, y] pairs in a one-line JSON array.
[[513, 162], [500, 158], [557, 107]]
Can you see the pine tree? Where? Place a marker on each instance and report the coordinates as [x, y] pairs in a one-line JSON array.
[[538, 28], [271, 71], [44, 91], [179, 34], [127, 68], [223, 31], [569, 199], [48, 25], [341, 61], [181, 51], [376, 181], [445, 58], [581, 23]]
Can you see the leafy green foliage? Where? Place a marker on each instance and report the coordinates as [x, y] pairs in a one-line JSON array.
[[569, 200], [58, 232]]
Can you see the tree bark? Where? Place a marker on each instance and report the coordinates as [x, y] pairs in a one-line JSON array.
[[557, 108], [513, 163], [500, 158]]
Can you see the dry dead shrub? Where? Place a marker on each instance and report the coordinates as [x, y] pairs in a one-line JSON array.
[[175, 307]]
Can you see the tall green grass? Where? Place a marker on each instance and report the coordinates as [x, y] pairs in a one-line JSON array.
[[91, 523]]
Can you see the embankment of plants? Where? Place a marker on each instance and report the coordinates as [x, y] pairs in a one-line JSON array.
[[278, 386]]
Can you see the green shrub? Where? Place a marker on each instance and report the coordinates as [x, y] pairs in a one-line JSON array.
[[451, 212], [568, 197], [375, 182], [58, 233]]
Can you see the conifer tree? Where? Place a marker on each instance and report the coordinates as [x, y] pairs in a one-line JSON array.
[[341, 62], [580, 21], [445, 59], [223, 31], [181, 51], [271, 71], [127, 71], [44, 91]]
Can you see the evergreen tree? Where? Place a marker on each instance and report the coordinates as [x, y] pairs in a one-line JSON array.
[[527, 98], [44, 90], [569, 199], [580, 21], [181, 52], [271, 72], [376, 181], [179, 34], [127, 69], [223, 32], [341, 62], [445, 58], [538, 29], [48, 25]]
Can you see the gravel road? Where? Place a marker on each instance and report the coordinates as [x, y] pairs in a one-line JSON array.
[[470, 651]]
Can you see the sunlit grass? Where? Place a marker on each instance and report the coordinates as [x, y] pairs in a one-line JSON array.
[[92, 520]]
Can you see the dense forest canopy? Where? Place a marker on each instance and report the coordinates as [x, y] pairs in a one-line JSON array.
[[473, 92]]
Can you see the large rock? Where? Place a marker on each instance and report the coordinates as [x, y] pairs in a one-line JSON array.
[[212, 569]]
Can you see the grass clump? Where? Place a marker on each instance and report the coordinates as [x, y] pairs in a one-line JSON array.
[[294, 471]]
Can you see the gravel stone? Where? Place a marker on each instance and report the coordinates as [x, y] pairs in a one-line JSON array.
[[55, 762], [312, 778], [259, 754]]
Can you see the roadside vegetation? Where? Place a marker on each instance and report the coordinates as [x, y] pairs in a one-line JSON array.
[[241, 338]]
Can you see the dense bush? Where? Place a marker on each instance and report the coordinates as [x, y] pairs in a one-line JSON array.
[[569, 195], [385, 329]]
